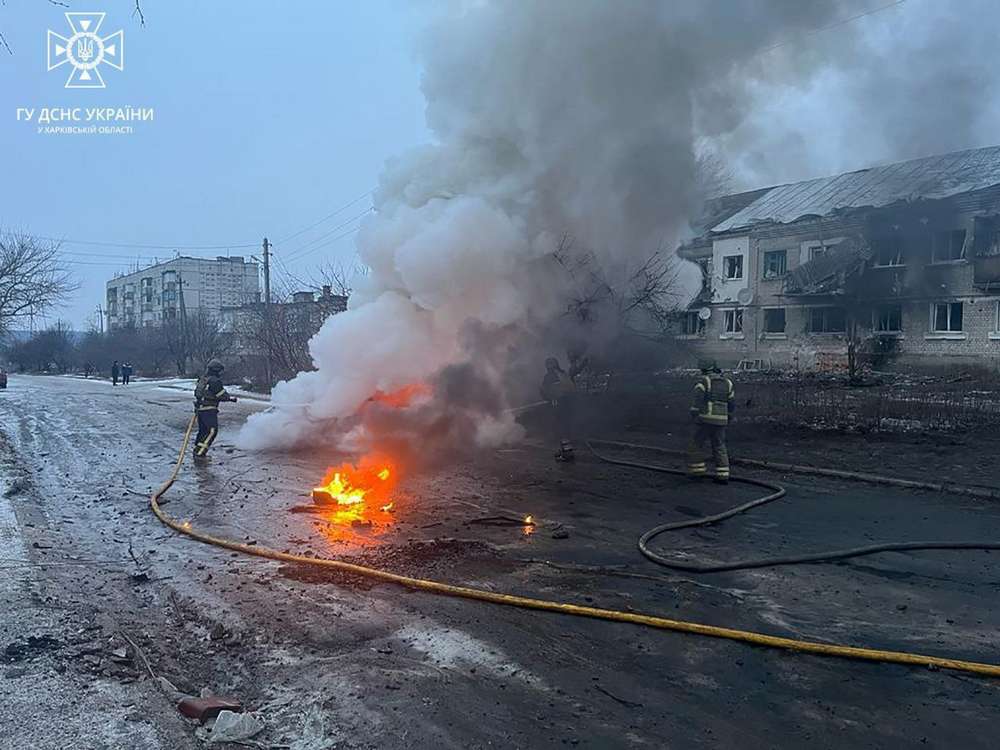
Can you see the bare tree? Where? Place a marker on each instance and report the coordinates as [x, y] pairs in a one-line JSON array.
[[136, 13], [172, 337], [205, 338], [641, 300], [32, 279], [51, 349], [192, 340], [713, 177], [280, 335], [338, 276]]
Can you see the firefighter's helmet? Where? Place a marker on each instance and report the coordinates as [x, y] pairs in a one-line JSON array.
[[214, 367], [708, 365]]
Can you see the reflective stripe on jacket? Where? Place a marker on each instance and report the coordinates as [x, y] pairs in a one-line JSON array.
[[713, 396], [209, 392]]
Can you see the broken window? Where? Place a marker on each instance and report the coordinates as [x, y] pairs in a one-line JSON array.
[[775, 263], [948, 246], [774, 320], [985, 237], [732, 321], [816, 251], [946, 317], [888, 250], [827, 320], [732, 266], [889, 319], [692, 324]]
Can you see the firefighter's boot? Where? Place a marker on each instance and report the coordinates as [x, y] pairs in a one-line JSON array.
[[565, 452]]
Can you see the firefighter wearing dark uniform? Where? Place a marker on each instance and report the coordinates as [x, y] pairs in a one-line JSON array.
[[711, 409], [557, 388], [208, 394]]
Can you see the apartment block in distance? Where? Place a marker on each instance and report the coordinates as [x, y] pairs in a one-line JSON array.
[[901, 261], [153, 295]]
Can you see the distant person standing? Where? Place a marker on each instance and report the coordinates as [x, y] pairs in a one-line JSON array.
[[126, 373], [116, 370]]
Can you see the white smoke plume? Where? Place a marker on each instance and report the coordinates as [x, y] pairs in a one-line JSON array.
[[907, 80], [555, 118]]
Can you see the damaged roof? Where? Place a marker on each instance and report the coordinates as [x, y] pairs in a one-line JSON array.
[[932, 177]]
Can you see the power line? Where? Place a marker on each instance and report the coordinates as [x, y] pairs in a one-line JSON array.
[[835, 24], [298, 251], [348, 233], [141, 246], [328, 216], [178, 248], [309, 247], [134, 256], [289, 276]]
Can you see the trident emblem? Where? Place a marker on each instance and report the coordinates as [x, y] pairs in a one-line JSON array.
[[85, 50]]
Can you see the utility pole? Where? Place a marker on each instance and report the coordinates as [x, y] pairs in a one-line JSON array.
[[267, 312], [100, 319], [267, 272]]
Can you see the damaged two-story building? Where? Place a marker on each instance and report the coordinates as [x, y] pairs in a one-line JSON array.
[[899, 263]]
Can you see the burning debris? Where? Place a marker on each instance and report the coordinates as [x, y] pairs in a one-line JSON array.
[[358, 495]]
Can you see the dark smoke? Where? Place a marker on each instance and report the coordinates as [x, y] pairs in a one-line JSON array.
[[579, 118]]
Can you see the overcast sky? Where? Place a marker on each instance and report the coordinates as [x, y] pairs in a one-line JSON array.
[[270, 116]]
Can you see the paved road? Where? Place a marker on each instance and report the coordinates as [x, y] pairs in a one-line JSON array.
[[337, 662]]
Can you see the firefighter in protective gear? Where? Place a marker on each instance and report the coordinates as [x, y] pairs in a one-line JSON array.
[[557, 389], [208, 394], [711, 410]]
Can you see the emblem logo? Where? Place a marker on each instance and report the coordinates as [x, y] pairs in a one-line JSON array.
[[86, 51]]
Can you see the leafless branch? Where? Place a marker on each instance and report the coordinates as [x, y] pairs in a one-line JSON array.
[[339, 277], [714, 177], [32, 279], [6, 46], [638, 298], [138, 11]]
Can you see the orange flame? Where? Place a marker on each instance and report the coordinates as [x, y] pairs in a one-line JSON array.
[[358, 494], [402, 397]]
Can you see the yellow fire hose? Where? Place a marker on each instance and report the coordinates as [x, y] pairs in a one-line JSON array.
[[652, 621]]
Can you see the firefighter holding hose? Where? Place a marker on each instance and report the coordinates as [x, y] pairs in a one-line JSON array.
[[208, 394], [711, 409]]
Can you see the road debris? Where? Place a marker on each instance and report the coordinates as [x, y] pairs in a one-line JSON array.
[[231, 727], [209, 707], [30, 647]]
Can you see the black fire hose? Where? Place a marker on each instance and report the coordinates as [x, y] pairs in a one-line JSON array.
[[776, 492]]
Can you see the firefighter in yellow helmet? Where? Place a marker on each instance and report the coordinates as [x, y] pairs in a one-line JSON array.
[[711, 409]]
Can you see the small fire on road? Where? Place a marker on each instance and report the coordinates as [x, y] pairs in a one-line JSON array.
[[357, 499], [358, 496]]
